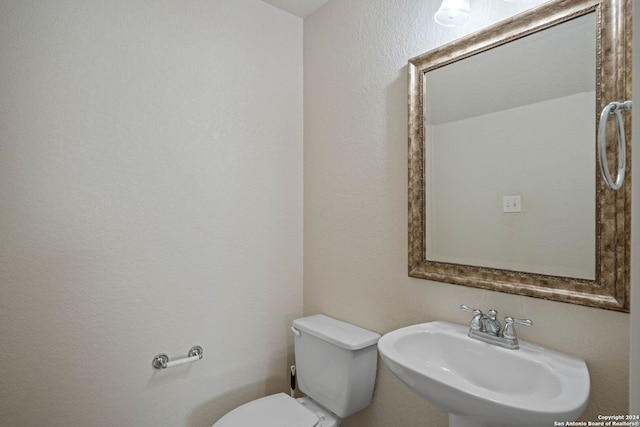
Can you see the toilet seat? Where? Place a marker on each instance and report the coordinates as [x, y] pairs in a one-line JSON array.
[[277, 410]]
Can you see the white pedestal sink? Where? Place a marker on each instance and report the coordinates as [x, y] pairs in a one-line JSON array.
[[483, 385]]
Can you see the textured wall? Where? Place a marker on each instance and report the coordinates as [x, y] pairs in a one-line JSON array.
[[151, 199], [355, 225]]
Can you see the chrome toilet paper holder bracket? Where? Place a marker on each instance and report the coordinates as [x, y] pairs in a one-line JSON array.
[[161, 361]]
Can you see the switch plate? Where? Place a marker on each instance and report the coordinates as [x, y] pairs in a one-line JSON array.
[[511, 204]]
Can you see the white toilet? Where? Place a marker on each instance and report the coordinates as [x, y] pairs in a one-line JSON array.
[[336, 369]]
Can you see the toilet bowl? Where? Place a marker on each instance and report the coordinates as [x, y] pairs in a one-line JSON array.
[[279, 410], [336, 368]]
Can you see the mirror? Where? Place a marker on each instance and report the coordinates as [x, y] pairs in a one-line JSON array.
[[504, 191], [485, 150]]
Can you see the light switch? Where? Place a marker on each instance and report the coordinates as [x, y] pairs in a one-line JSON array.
[[511, 204]]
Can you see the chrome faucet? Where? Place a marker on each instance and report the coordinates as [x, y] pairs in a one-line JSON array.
[[487, 328]]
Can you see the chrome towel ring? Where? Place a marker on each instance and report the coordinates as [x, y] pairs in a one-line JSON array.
[[613, 108]]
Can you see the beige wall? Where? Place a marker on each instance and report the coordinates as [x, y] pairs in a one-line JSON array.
[[151, 200], [355, 224], [151, 192]]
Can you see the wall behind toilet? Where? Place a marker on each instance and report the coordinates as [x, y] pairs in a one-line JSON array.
[[151, 200], [355, 224]]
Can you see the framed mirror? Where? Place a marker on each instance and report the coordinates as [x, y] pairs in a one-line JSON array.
[[504, 187]]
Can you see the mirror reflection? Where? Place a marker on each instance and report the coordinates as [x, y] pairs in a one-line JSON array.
[[510, 155]]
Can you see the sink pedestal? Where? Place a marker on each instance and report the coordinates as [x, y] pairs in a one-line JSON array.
[[462, 421]]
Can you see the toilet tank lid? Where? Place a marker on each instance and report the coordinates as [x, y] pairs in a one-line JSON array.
[[339, 333]]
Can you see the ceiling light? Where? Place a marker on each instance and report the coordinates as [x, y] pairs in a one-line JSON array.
[[453, 13]]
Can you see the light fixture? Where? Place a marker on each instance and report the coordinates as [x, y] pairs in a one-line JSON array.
[[453, 13]]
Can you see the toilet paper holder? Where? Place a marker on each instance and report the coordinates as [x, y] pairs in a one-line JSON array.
[[161, 361]]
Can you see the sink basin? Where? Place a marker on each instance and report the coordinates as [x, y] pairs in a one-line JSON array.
[[480, 384]]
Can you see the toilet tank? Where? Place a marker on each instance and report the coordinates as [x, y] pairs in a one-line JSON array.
[[335, 363]]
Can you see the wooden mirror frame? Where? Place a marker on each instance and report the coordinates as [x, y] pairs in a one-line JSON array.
[[610, 289]]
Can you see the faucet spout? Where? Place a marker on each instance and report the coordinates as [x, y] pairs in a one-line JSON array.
[[491, 325]]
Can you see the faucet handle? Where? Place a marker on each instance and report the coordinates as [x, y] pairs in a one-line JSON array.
[[469, 309], [476, 322], [509, 331]]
